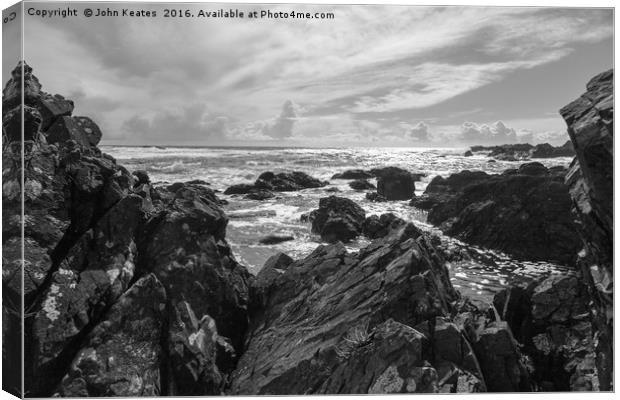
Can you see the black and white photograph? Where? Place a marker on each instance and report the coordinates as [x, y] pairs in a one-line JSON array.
[[240, 199]]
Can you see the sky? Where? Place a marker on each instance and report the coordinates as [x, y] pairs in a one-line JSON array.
[[371, 76]]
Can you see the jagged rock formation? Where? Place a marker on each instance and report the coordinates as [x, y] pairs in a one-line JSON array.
[[384, 320], [129, 289], [550, 319], [525, 212], [590, 179]]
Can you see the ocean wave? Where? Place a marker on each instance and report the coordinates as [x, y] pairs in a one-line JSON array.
[[174, 168]]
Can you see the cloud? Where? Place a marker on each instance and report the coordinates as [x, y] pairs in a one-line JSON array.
[[190, 124], [283, 125], [497, 133], [369, 62], [420, 132]]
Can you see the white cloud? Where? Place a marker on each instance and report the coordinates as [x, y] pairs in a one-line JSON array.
[[497, 133]]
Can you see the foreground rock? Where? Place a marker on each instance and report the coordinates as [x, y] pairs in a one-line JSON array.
[[550, 320], [378, 321], [525, 212], [590, 179], [337, 219], [131, 289]]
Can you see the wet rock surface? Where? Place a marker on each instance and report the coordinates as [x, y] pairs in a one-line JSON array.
[[525, 212]]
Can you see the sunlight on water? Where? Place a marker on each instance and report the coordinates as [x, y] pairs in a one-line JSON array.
[[480, 274]]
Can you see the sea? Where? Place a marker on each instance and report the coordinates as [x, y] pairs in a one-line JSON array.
[[480, 277]]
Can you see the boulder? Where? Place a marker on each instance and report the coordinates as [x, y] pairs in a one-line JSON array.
[[338, 219], [396, 184], [468, 153], [287, 181], [361, 184], [53, 107], [79, 129], [378, 226]]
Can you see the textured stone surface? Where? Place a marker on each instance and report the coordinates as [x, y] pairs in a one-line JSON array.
[[590, 179]]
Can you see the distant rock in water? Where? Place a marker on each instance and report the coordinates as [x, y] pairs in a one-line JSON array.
[[275, 239], [468, 153], [337, 219], [281, 182], [361, 184], [546, 150], [524, 151], [353, 174], [590, 121], [525, 212]]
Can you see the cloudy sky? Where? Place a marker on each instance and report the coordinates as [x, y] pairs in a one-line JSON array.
[[373, 75]]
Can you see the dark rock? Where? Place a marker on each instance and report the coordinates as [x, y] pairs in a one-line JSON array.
[[197, 182], [241, 188], [353, 174], [376, 227], [80, 129], [53, 107], [524, 212], [110, 261], [332, 189], [506, 152], [12, 93], [326, 317], [259, 194], [375, 197], [287, 181], [395, 184], [338, 219], [550, 319], [275, 239], [499, 359], [590, 180], [361, 184], [122, 355], [545, 150], [142, 177], [468, 153], [193, 352]]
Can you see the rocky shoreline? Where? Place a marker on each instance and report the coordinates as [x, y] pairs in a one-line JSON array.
[[131, 289]]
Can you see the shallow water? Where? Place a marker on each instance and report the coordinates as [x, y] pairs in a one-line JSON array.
[[250, 220]]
